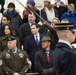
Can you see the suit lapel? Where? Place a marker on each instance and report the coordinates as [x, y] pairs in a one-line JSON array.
[[45, 58], [33, 40]]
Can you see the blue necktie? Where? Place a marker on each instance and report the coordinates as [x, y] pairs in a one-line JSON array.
[[37, 40]]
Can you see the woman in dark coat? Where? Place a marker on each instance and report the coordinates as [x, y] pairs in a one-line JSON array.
[[3, 40]]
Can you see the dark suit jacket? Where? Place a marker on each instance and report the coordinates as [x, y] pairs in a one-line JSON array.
[[25, 31], [64, 60], [31, 46], [41, 62]]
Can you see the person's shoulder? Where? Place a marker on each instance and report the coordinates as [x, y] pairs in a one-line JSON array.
[[30, 36], [2, 38], [24, 25], [4, 52], [39, 52]]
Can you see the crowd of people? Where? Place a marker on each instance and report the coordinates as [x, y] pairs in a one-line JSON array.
[[29, 47]]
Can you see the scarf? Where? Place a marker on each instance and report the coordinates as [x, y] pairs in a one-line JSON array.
[[50, 14]]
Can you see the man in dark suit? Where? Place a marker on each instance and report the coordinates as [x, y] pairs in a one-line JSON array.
[[64, 56], [44, 58], [32, 44], [25, 29]]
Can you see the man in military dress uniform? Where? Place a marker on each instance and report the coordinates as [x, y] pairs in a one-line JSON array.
[[14, 61], [64, 56]]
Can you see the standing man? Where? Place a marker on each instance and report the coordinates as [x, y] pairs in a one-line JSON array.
[[32, 44], [44, 58], [25, 29], [14, 61], [64, 56]]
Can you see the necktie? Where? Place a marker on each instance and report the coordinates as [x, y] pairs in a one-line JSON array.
[[37, 40], [48, 56]]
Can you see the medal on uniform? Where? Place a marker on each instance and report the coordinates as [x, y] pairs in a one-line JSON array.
[[21, 55], [8, 55], [0, 62]]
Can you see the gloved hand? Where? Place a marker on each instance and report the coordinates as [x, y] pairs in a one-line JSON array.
[[51, 70], [48, 71], [44, 72]]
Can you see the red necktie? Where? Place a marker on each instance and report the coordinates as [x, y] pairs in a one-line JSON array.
[[48, 57]]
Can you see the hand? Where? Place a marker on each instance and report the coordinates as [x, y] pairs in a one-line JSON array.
[[30, 63], [16, 73], [51, 70], [44, 72]]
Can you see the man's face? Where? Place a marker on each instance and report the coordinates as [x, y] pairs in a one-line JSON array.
[[45, 44], [34, 30], [11, 44], [31, 18], [5, 21]]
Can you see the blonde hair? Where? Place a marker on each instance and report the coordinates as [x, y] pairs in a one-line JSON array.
[[72, 6], [56, 19]]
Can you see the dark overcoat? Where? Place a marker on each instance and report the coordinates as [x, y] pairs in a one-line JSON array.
[[41, 62], [64, 60]]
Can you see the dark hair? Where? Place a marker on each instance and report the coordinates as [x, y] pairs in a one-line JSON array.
[[37, 25], [12, 30], [11, 5], [7, 16]]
